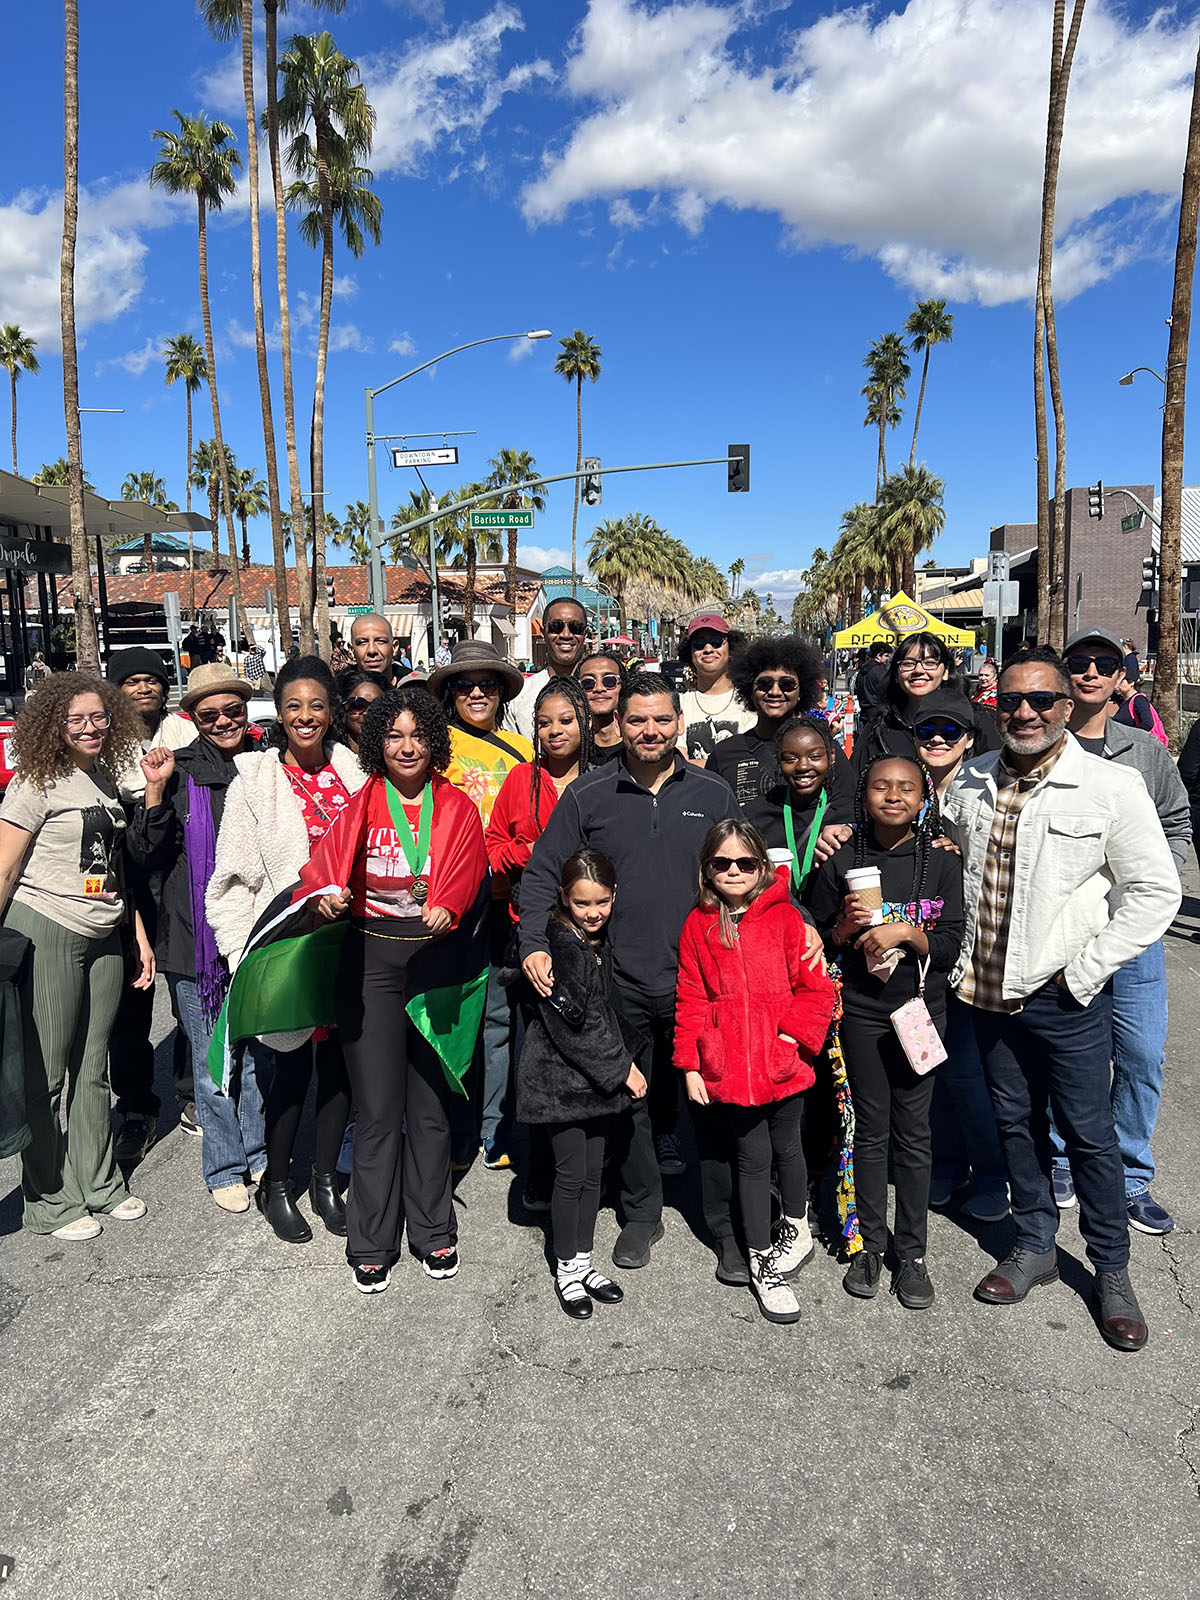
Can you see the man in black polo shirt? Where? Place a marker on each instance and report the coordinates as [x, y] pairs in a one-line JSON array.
[[648, 812]]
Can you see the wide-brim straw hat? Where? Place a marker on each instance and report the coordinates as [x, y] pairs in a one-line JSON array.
[[472, 655], [213, 678]]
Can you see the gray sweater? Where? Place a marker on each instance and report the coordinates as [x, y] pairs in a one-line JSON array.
[[1130, 747]]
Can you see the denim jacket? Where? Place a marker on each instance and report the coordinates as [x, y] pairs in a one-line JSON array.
[[1094, 882]]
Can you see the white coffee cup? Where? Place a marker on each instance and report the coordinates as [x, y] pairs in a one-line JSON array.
[[867, 884], [781, 856]]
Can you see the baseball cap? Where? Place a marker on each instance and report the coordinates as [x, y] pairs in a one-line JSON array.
[[946, 705], [712, 620], [1086, 635]]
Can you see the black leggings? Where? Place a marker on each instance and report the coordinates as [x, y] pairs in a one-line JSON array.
[[760, 1133], [578, 1166], [285, 1102]]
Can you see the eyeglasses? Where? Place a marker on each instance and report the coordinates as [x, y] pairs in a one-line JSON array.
[[911, 663], [234, 712], [785, 685], [951, 732], [565, 625], [605, 680], [98, 720], [357, 703], [469, 685], [1036, 699], [745, 864], [1106, 666]]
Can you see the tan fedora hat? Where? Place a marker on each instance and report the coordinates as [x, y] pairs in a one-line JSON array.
[[471, 655], [212, 678]]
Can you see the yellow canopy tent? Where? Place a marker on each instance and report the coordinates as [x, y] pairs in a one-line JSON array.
[[897, 620]]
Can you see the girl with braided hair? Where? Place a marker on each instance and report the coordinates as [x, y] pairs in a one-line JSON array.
[[881, 955]]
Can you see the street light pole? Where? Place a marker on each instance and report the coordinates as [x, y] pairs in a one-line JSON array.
[[375, 576]]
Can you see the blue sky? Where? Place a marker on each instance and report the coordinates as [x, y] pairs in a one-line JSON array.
[[732, 199]]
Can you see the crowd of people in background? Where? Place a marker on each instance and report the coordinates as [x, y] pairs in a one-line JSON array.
[[926, 955]]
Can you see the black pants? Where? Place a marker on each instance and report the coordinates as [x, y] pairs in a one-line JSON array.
[[131, 1057], [632, 1139], [578, 1166], [401, 1168], [891, 1110], [285, 1102], [758, 1135]]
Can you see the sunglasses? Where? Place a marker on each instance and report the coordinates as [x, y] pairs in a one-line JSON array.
[[746, 864], [357, 703], [951, 732], [565, 625], [1106, 666], [606, 680], [708, 641], [1036, 699], [785, 685], [469, 685], [230, 713]]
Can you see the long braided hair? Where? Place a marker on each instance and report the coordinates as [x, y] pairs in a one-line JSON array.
[[926, 829], [562, 689]]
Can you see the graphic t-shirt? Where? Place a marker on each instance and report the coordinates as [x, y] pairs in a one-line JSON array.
[[708, 719], [321, 794], [74, 872], [479, 764], [381, 882]]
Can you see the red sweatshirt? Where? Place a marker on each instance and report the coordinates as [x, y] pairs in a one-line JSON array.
[[732, 1005], [512, 831]]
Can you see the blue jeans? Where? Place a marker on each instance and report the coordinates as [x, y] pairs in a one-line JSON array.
[[1053, 1055], [234, 1125], [965, 1140], [1139, 1042]]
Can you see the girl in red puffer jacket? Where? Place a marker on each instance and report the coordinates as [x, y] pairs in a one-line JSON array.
[[751, 1013]]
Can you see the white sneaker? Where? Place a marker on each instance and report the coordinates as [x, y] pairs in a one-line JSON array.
[[82, 1228], [775, 1299], [793, 1247], [232, 1197], [130, 1209]]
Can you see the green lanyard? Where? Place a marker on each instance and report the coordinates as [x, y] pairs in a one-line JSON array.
[[800, 873], [416, 851]]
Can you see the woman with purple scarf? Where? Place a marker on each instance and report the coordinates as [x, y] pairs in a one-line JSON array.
[[174, 830]]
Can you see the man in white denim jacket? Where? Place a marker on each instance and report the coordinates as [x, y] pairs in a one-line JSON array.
[[1067, 876]]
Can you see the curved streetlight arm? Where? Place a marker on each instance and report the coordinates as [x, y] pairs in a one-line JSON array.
[[494, 338], [1128, 378]]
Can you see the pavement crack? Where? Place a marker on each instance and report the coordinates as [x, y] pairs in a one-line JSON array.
[[1176, 1271], [1184, 1440]]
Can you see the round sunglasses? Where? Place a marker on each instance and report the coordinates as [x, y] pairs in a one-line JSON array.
[[605, 680]]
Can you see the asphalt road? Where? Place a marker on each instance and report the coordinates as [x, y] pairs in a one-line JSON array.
[[190, 1409]]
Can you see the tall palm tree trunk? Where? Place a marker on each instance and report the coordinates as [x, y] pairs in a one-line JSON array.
[[245, 543], [1166, 671], [881, 462], [87, 649], [1043, 469], [912, 454], [578, 468], [318, 412], [187, 479], [214, 516], [12, 377], [260, 336], [295, 492], [469, 597], [512, 573], [222, 464]]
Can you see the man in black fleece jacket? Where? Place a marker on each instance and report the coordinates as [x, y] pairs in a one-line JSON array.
[[648, 812]]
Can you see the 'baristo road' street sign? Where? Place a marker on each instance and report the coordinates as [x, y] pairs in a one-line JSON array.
[[502, 519]]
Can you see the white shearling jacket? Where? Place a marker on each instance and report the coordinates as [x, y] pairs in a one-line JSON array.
[[1094, 882]]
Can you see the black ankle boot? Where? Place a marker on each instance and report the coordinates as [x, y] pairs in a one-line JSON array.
[[327, 1202], [275, 1202]]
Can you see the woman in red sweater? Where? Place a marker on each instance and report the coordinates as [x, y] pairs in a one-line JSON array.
[[750, 1016]]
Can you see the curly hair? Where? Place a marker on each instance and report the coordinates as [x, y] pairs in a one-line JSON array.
[[306, 669], [735, 638], [788, 654], [425, 712], [40, 751]]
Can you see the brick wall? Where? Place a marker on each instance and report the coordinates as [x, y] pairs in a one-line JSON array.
[[1104, 565]]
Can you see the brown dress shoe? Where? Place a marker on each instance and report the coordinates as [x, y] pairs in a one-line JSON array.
[[1121, 1320], [1011, 1279]]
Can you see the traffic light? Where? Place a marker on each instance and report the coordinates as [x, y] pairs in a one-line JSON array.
[[330, 593], [739, 468], [1149, 580], [1096, 500], [591, 484]]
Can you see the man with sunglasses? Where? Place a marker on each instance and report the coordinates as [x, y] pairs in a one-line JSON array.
[[1066, 877], [1139, 989], [564, 628]]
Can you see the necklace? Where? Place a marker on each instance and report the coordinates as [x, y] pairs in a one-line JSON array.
[[713, 711]]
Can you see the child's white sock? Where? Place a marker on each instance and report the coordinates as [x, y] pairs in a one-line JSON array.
[[573, 1270]]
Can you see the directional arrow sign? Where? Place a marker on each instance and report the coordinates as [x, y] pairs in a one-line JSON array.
[[502, 519], [447, 456]]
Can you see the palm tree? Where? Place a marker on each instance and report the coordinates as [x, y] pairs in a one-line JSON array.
[[16, 353], [624, 550], [58, 473], [207, 478], [736, 568], [322, 90], [186, 364], [87, 647], [912, 515], [470, 545], [250, 499], [928, 325], [710, 580], [887, 362], [353, 531], [578, 359], [226, 17], [150, 488], [199, 160], [509, 469], [420, 505]]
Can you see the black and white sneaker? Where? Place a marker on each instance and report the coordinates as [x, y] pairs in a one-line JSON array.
[[189, 1122], [373, 1278], [441, 1263]]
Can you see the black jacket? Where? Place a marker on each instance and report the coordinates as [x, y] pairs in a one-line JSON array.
[[653, 842], [750, 766], [870, 686], [155, 841], [578, 1050], [1189, 771]]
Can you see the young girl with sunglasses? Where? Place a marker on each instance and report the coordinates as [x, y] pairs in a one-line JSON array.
[[895, 823], [750, 1015]]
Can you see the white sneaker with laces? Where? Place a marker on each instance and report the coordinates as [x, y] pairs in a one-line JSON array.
[[775, 1298], [793, 1247]]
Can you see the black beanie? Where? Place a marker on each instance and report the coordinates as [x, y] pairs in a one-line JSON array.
[[124, 664]]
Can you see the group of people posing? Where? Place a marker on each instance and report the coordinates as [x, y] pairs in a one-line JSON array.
[[558, 910]]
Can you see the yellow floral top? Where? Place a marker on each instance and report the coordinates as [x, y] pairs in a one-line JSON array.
[[479, 764]]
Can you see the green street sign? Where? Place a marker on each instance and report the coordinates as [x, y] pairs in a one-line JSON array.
[[1132, 522], [358, 611], [502, 519]]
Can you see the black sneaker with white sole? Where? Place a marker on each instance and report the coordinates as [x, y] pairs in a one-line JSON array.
[[441, 1263], [189, 1122], [373, 1278]]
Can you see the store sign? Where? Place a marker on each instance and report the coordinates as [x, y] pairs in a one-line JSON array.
[[34, 555]]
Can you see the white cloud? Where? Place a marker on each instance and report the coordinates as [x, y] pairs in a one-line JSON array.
[[890, 133], [136, 362], [403, 345], [347, 336], [538, 557], [345, 286], [521, 349]]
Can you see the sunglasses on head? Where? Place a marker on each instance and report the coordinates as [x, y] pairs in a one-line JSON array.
[[1106, 666], [1036, 699], [785, 685], [746, 864], [951, 732], [566, 625], [469, 685], [604, 680]]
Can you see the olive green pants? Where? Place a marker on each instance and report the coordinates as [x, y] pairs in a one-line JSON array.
[[69, 1002]]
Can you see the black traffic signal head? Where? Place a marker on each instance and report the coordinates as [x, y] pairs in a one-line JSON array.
[[1096, 500], [590, 485], [739, 468]]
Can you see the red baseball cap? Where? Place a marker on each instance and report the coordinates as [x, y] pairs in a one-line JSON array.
[[711, 620]]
